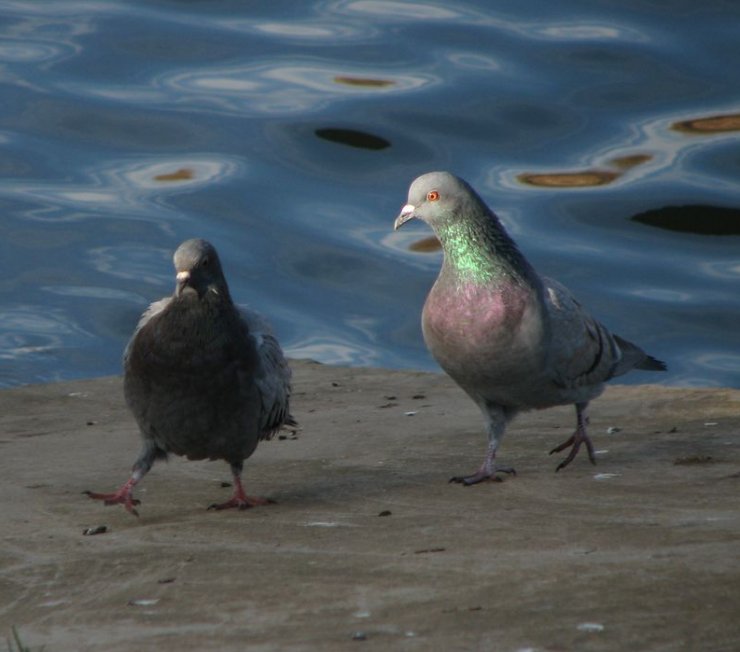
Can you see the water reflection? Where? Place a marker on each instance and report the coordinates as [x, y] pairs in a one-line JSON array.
[[140, 263], [23, 51], [304, 30], [332, 348], [279, 87], [416, 11], [126, 187], [27, 329]]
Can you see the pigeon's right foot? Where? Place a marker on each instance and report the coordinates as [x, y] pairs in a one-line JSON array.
[[487, 470], [240, 500], [124, 496], [482, 475]]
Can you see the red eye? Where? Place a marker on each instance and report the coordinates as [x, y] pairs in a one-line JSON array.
[[433, 195]]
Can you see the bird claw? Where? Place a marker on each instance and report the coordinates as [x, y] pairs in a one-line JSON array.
[[574, 441], [482, 475], [121, 497]]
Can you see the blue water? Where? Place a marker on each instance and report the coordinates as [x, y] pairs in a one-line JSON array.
[[287, 134]]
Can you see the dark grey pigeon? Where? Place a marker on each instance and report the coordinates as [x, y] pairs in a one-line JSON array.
[[202, 378], [511, 339]]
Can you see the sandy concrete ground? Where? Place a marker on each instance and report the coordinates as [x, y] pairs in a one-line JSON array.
[[368, 546]]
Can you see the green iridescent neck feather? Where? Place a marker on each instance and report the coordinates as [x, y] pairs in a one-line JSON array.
[[480, 253]]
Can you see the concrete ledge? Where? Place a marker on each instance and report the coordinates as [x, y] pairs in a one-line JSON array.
[[367, 539]]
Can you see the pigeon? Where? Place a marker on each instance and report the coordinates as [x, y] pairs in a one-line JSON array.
[[202, 378], [511, 339]]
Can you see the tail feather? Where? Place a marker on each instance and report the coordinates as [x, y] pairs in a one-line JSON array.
[[633, 357], [652, 364]]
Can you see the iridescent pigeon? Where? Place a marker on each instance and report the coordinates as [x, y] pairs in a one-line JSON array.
[[513, 340], [202, 378]]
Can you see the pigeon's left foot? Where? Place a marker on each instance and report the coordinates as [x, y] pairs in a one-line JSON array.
[[124, 496], [575, 440], [240, 500], [487, 470]]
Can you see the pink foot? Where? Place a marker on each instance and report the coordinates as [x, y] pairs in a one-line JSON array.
[[240, 500], [124, 496], [487, 470]]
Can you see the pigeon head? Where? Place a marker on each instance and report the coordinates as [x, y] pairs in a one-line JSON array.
[[199, 269], [474, 242], [439, 198]]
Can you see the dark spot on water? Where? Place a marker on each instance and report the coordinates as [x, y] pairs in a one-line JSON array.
[[583, 179], [631, 160], [364, 81], [353, 138], [699, 219], [711, 125], [183, 174], [426, 245]]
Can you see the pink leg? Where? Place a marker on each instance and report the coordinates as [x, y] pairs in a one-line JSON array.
[[487, 470], [576, 439], [239, 498], [123, 496]]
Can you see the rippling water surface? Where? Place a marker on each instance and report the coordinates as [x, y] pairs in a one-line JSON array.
[[606, 135]]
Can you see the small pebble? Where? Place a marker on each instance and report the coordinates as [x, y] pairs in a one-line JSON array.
[[409, 414], [98, 529], [144, 602], [612, 429], [427, 550], [590, 627], [385, 512], [359, 636]]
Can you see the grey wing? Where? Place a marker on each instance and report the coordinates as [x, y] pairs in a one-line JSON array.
[[273, 375], [153, 309], [583, 351]]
